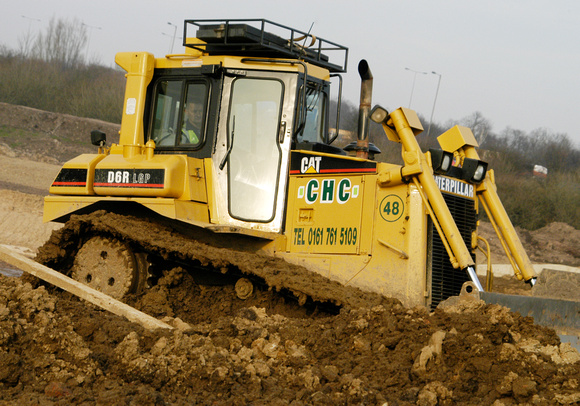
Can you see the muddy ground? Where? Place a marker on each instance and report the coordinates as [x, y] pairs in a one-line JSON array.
[[266, 350]]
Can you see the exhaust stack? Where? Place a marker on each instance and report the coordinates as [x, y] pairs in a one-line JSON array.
[[366, 93]]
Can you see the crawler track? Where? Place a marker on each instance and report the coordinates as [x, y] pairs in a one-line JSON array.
[[163, 241]]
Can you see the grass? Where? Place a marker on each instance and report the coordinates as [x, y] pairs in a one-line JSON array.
[[533, 203]]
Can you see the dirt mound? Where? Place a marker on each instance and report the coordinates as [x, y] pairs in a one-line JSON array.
[[48, 137], [556, 243], [21, 220], [56, 348]]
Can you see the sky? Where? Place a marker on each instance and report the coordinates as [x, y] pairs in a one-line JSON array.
[[517, 62]]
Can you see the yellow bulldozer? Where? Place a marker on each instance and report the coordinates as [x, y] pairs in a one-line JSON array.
[[229, 145]]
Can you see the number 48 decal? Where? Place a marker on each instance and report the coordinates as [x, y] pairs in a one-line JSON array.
[[391, 208]]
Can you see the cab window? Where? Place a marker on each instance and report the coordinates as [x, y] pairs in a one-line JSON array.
[[179, 113], [315, 114], [254, 161]]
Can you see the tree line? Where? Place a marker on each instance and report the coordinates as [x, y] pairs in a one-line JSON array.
[[49, 71]]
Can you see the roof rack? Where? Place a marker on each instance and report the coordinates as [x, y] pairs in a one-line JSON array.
[[264, 38]]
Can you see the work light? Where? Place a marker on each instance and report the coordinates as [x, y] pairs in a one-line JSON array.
[[441, 160], [98, 138], [474, 170], [379, 114]]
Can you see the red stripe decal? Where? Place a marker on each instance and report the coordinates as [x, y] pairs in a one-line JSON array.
[[69, 184], [133, 185], [348, 170], [351, 170]]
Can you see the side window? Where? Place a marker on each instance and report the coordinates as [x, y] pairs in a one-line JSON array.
[[315, 115], [166, 112], [179, 113]]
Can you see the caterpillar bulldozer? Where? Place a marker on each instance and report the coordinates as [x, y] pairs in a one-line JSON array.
[[228, 143]]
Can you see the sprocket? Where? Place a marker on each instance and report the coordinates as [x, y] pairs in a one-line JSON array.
[[109, 266]]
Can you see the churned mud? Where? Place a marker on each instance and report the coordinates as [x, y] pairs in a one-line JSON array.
[[55, 349], [267, 349], [229, 255]]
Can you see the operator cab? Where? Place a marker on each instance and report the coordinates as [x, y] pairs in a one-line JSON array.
[[246, 99], [173, 89]]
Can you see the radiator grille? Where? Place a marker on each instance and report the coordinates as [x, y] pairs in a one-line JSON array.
[[445, 280]]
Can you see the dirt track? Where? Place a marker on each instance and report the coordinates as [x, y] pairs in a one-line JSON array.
[[55, 349]]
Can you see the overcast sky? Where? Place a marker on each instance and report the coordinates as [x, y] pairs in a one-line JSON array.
[[515, 61]]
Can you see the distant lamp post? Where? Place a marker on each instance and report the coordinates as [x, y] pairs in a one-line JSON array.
[[170, 35], [174, 34], [90, 27], [30, 20], [414, 78], [434, 101]]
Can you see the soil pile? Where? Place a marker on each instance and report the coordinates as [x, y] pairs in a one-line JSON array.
[[556, 243], [49, 137], [224, 351]]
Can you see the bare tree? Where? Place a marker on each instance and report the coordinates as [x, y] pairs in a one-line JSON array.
[[62, 42], [26, 44], [480, 126]]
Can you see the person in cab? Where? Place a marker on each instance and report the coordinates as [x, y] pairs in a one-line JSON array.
[[191, 131]]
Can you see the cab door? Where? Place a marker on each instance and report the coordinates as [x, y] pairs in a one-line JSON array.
[[252, 152]]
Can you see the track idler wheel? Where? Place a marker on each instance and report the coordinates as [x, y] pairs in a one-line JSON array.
[[244, 288], [110, 266]]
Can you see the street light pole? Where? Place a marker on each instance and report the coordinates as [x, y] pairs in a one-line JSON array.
[[26, 42], [30, 20], [413, 87], [90, 27], [174, 34], [170, 35], [434, 101]]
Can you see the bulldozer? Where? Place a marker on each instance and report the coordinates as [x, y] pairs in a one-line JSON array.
[[229, 145]]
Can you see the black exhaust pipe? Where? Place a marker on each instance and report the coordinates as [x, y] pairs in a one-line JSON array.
[[366, 96]]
